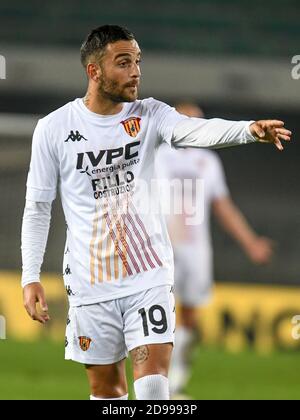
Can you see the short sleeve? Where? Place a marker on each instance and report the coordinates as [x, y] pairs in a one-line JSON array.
[[166, 118], [43, 172], [220, 188]]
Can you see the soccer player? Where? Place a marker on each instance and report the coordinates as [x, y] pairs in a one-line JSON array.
[[192, 242], [118, 264]]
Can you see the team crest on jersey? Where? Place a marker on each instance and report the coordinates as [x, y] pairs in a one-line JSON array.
[[84, 343], [132, 126]]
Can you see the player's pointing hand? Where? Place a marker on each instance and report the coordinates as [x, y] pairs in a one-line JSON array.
[[32, 294], [270, 131]]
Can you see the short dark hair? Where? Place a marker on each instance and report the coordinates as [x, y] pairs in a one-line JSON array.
[[98, 38]]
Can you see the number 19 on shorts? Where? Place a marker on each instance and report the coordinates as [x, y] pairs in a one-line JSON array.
[[155, 319]]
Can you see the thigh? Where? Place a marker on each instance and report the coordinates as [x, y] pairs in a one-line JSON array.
[[151, 359], [107, 381], [94, 334], [193, 284]]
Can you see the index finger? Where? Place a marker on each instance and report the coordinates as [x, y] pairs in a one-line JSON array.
[[277, 123]]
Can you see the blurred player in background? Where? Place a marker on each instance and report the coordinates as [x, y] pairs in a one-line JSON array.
[[118, 262], [192, 245]]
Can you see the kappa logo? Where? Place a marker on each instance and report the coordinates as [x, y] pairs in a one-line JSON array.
[[75, 136], [69, 291], [67, 271], [132, 126], [84, 343]]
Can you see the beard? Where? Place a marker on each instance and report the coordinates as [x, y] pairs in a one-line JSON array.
[[112, 90]]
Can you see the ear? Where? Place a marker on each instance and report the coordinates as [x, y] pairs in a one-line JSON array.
[[93, 71]]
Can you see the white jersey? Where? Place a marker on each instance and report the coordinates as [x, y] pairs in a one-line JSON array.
[[103, 166], [192, 243], [193, 164]]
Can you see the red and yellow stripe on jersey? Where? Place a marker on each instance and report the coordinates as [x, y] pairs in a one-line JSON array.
[[120, 237]]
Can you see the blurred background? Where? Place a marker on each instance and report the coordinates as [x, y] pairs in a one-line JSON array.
[[234, 59]]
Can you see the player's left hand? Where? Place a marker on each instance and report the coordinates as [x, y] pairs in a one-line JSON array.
[[270, 131]]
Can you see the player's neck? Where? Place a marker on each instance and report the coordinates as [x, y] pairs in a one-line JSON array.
[[103, 106]]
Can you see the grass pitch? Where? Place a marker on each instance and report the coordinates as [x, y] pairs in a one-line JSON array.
[[34, 371]]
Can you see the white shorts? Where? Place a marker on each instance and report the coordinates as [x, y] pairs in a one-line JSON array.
[[105, 332], [193, 275]]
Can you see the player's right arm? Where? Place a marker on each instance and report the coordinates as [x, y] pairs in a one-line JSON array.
[[41, 191], [35, 229]]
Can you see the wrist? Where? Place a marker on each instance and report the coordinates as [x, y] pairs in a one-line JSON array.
[[250, 133], [250, 243], [26, 282]]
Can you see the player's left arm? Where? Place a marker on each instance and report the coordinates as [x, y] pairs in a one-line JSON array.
[[259, 249], [217, 133], [180, 131]]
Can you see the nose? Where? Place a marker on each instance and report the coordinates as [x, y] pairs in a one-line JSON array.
[[136, 71]]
